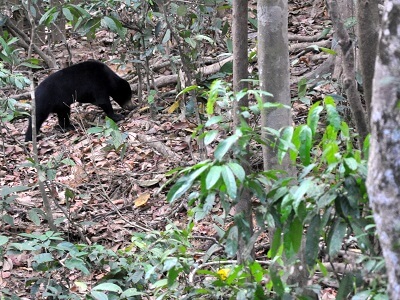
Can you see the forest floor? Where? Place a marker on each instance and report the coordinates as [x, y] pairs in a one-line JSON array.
[[114, 195]]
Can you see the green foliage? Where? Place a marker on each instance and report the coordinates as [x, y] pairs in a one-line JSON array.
[[8, 110], [9, 53], [8, 77], [83, 21], [117, 140], [234, 282], [7, 197], [154, 262], [328, 197], [48, 171]]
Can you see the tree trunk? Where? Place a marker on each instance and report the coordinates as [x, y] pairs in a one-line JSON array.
[[273, 66], [383, 181], [240, 72], [367, 30], [346, 13], [349, 75]]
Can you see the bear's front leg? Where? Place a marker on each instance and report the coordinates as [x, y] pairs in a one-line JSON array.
[[107, 108]]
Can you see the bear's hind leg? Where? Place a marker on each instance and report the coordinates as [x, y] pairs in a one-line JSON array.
[[63, 119], [40, 118]]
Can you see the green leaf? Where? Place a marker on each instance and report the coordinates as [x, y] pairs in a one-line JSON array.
[[34, 217], [304, 187], [177, 190], [312, 241], [284, 142], [362, 238], [30, 65], [68, 162], [78, 11], [335, 237], [276, 243], [5, 190], [332, 113], [201, 37], [169, 263], [181, 11], [209, 203], [172, 276], [277, 282], [131, 292], [161, 283], [43, 258], [184, 183], [67, 13], [330, 152], [224, 147], [114, 25], [257, 271], [108, 286], [3, 240], [313, 117], [95, 129], [229, 180], [77, 264], [305, 139], [210, 137], [351, 163], [328, 51], [167, 36], [99, 295], [238, 171], [326, 199], [227, 68], [296, 143], [191, 42], [345, 131], [49, 16], [22, 246], [296, 234], [213, 176], [345, 287], [302, 87], [187, 89], [214, 120]]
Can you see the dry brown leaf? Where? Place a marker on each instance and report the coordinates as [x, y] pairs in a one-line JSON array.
[[141, 200]]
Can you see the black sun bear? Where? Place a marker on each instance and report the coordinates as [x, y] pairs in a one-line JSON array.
[[86, 82]]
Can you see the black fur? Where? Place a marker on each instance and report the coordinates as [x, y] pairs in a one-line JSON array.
[[86, 82]]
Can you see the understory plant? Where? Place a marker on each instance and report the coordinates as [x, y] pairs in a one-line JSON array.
[[155, 263], [321, 214]]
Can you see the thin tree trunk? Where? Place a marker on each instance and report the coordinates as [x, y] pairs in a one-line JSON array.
[[383, 180], [349, 81], [240, 72], [368, 22]]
